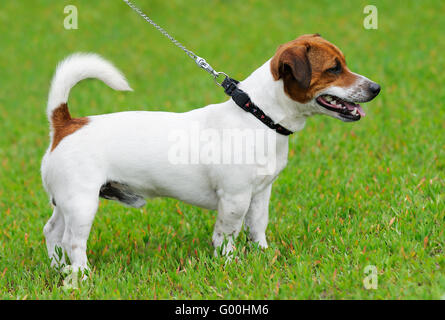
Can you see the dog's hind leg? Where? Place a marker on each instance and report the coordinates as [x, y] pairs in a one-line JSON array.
[[79, 214], [53, 231]]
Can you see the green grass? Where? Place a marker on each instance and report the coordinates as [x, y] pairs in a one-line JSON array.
[[352, 195]]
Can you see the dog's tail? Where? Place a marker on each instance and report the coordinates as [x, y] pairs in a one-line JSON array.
[[77, 67]]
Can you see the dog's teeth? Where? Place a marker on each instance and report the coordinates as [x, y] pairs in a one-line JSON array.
[[328, 98], [354, 112]]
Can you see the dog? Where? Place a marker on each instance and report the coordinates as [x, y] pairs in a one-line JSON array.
[[125, 156]]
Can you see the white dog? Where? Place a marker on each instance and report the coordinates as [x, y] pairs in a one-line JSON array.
[[127, 156]]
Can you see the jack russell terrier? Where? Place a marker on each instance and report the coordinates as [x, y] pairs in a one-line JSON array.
[[127, 156]]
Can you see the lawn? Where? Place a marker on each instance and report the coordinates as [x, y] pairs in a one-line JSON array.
[[370, 193]]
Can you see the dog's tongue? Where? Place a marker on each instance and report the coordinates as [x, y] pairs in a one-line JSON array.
[[351, 107], [360, 111]]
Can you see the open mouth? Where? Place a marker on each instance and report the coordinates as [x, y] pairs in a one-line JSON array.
[[347, 110]]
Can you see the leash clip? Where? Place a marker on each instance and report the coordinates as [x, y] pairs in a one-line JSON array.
[[202, 63]]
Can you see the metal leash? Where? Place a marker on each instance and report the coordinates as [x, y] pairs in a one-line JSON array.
[[198, 60]]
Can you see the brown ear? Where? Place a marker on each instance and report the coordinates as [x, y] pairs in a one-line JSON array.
[[293, 61]]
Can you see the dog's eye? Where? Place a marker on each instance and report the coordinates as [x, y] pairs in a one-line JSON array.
[[335, 70]]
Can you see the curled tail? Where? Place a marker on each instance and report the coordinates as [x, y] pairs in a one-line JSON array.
[[77, 67]]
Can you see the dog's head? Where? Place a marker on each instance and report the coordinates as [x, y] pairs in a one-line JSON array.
[[315, 74]]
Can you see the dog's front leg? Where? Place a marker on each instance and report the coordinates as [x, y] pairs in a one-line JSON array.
[[257, 217], [231, 211]]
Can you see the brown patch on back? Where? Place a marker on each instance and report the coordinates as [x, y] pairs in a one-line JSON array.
[[302, 64], [64, 125]]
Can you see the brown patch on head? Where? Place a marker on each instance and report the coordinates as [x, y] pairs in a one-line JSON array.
[[303, 65], [63, 124]]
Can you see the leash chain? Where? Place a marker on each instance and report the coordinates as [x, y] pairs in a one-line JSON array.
[[201, 62], [230, 85]]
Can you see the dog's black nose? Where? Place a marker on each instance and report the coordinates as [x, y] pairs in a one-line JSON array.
[[374, 88]]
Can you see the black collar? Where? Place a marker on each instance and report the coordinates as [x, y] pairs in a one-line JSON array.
[[242, 99]]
